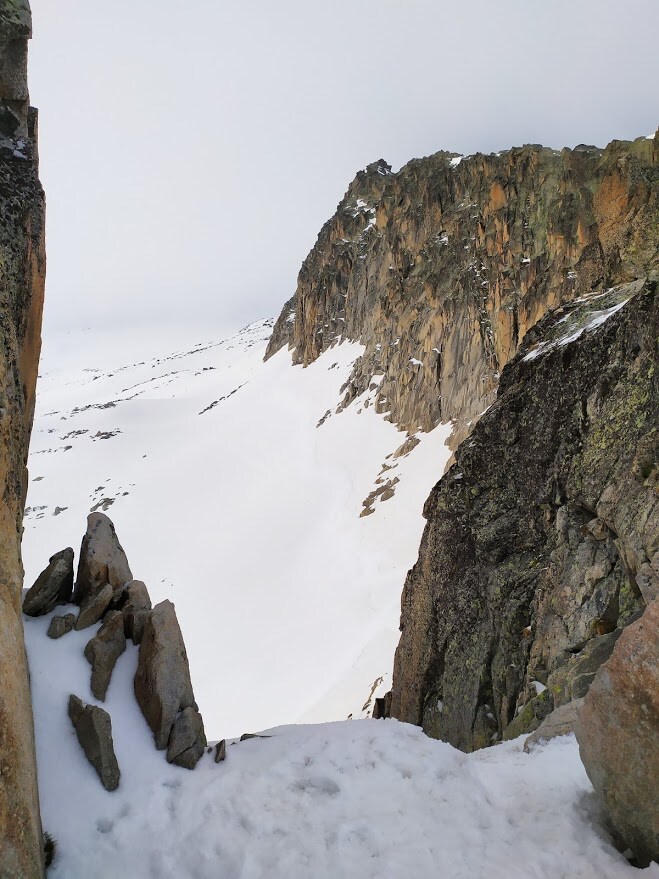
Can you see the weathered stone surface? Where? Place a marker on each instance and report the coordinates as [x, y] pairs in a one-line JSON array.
[[618, 732], [102, 559], [531, 716], [187, 739], [511, 584], [93, 727], [60, 625], [135, 610], [220, 751], [162, 680], [22, 274], [103, 651], [53, 586], [440, 269], [93, 607], [560, 722], [572, 679]]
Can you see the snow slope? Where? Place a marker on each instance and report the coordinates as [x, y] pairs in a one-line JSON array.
[[230, 500], [350, 800]]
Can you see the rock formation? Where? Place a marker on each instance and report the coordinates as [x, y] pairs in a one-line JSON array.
[[93, 727], [102, 560], [22, 273], [53, 586], [164, 690], [103, 651], [618, 732], [441, 269], [135, 610], [539, 537]]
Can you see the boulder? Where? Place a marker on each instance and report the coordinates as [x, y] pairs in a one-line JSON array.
[[162, 680], [60, 625], [221, 751], [618, 733], [103, 651], [93, 607], [102, 559], [93, 727], [559, 723], [53, 586], [187, 739], [135, 610]]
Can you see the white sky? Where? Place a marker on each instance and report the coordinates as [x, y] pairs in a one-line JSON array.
[[192, 151]]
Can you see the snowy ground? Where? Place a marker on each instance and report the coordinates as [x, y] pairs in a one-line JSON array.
[[229, 500], [348, 800]]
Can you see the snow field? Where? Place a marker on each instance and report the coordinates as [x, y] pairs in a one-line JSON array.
[[246, 515], [360, 798]]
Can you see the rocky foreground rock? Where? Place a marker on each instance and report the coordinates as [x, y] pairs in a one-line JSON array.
[[164, 690], [53, 586], [93, 727], [103, 651], [618, 732], [102, 559]]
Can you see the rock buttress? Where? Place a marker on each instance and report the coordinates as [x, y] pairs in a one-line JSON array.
[[542, 540], [22, 274], [442, 268]]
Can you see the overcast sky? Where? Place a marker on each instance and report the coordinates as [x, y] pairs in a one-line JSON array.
[[191, 151]]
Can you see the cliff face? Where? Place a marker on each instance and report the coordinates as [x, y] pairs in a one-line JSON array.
[[542, 540], [22, 273], [441, 269]]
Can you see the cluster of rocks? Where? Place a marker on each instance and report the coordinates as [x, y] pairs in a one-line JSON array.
[[106, 591]]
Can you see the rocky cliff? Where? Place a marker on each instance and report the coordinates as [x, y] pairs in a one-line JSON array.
[[542, 540], [441, 269], [518, 289], [22, 272]]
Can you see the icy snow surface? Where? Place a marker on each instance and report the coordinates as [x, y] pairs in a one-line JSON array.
[[349, 800], [229, 500]]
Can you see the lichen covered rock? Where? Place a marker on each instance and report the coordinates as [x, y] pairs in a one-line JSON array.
[[516, 585]]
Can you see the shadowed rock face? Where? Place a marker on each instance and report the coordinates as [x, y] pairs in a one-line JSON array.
[[22, 274], [93, 727], [537, 536], [53, 586], [618, 732], [163, 688], [441, 269]]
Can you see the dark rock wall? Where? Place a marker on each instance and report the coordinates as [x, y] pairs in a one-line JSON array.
[[22, 273], [441, 269], [543, 539]]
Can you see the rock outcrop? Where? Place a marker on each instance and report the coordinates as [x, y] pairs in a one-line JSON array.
[[53, 586], [103, 651], [164, 690], [93, 727], [539, 537], [442, 268], [22, 274], [135, 609], [102, 559], [618, 732]]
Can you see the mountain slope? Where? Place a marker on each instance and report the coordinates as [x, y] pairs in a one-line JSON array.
[[232, 501], [441, 269]]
